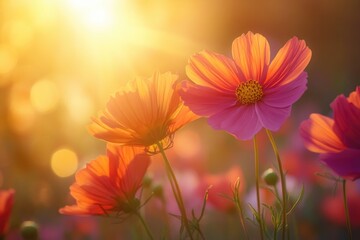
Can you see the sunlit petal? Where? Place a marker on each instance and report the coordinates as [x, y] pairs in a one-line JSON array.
[[213, 70], [319, 136], [289, 63], [251, 53], [108, 182], [347, 121], [143, 113]]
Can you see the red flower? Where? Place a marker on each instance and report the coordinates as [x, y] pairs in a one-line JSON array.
[[338, 139], [6, 204], [109, 183]]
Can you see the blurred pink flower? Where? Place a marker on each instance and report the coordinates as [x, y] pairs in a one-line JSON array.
[[333, 206], [297, 164], [109, 183], [338, 139], [244, 94], [222, 188], [6, 205]]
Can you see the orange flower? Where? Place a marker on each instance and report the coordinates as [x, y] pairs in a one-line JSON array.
[[109, 183], [143, 113]]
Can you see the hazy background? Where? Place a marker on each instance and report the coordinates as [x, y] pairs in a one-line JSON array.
[[61, 60]]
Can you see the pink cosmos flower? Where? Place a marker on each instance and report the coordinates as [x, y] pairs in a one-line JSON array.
[[338, 139], [244, 94], [6, 204]]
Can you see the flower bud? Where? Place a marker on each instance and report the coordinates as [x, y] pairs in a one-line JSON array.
[[270, 177], [147, 181], [158, 191], [29, 230]]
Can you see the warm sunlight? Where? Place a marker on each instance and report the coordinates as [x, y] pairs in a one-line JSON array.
[[7, 62], [44, 95], [94, 14], [160, 119]]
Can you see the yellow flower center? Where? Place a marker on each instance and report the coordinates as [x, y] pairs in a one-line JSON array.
[[249, 92]]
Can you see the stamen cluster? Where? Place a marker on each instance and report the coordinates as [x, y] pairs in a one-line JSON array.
[[249, 92]]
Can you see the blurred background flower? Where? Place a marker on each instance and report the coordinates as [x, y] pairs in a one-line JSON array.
[[6, 205], [61, 60]]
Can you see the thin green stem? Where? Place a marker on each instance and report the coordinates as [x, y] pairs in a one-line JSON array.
[[176, 190], [239, 207], [346, 207], [257, 177], [147, 230], [275, 233], [242, 221], [283, 183]]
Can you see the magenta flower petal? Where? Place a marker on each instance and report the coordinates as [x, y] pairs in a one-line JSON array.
[[346, 163], [286, 95], [241, 121], [205, 101], [271, 117], [347, 121]]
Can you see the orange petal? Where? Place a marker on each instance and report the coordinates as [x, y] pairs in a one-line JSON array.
[[166, 99], [288, 63], [354, 97], [251, 53], [142, 112], [319, 136], [213, 70]]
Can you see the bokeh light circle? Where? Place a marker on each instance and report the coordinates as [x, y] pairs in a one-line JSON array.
[[44, 95], [64, 162]]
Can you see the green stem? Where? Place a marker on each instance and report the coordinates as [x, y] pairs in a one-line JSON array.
[[242, 221], [348, 225], [148, 232], [176, 190], [239, 208], [283, 183], [257, 177]]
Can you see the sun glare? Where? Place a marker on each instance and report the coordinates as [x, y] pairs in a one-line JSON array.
[[94, 14]]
